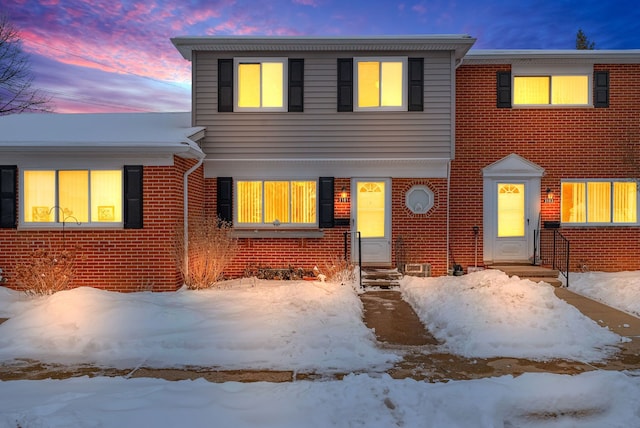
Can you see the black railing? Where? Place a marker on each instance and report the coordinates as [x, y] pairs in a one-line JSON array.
[[554, 250], [348, 238]]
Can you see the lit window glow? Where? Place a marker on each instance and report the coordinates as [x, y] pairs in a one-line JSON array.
[[261, 84], [276, 202], [380, 83], [551, 90], [511, 210], [73, 196], [371, 209], [599, 202]]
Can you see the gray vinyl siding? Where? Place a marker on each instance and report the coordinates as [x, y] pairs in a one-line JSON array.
[[320, 132]]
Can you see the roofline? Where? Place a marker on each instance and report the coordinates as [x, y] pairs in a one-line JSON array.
[[186, 45], [518, 56]]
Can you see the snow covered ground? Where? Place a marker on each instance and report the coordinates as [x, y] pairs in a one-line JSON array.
[[310, 326]]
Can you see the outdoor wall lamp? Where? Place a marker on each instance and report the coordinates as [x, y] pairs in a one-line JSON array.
[[343, 195], [549, 198]]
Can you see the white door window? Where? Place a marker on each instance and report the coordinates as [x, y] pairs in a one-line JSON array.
[[373, 220]]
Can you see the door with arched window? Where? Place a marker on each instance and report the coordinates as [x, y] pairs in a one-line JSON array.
[[372, 218]]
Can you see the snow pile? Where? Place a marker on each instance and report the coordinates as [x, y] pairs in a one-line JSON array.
[[488, 314], [620, 289], [277, 325], [590, 400]]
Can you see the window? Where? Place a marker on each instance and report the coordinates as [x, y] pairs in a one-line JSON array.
[[72, 196], [600, 202], [551, 90], [276, 203], [381, 84], [260, 84]]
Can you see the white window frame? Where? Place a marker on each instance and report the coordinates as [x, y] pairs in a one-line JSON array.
[[601, 224], [68, 222], [261, 60], [237, 224], [549, 71], [405, 84]]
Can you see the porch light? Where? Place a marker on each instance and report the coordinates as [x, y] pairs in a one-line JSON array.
[[549, 198], [343, 195]]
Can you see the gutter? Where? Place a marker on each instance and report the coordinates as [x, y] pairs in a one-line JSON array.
[[186, 212]]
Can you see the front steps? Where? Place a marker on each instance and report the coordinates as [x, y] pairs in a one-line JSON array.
[[381, 278], [530, 272]]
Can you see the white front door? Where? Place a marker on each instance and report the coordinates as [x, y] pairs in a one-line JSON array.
[[372, 218]]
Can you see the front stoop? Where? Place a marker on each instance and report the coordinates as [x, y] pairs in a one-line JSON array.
[[531, 272], [383, 278]]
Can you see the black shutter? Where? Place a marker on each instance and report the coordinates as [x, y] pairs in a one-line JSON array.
[[345, 84], [8, 196], [225, 199], [296, 85], [601, 89], [503, 94], [416, 84], [133, 197], [225, 85], [325, 202]]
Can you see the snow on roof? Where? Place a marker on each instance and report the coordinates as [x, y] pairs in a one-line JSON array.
[[112, 132]]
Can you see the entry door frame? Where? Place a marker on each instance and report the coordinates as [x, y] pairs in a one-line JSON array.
[[383, 257], [510, 169]]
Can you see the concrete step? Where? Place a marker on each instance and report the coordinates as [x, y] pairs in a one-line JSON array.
[[383, 278], [552, 281]]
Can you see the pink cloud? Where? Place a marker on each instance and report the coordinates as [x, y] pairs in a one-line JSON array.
[[312, 3], [420, 9]]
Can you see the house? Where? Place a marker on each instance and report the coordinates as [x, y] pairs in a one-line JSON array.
[[381, 150], [112, 187]]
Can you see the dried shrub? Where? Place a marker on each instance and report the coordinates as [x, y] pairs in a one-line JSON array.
[[339, 270], [47, 271], [210, 250]]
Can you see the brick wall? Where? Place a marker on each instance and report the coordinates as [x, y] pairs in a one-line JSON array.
[[122, 259], [567, 142], [423, 236]]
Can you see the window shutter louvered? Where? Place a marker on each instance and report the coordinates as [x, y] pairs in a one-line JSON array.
[[416, 84], [225, 199], [345, 84], [325, 202], [503, 94], [296, 85], [225, 85], [133, 197], [8, 197], [601, 89]]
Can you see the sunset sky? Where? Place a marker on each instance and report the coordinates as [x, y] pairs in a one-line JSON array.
[[116, 56]]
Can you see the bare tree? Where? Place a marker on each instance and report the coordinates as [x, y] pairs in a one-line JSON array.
[[16, 92], [583, 42]]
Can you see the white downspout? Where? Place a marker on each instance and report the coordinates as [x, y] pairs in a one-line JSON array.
[[186, 213]]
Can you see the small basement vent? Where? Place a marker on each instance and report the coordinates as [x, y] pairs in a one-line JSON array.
[[417, 269]]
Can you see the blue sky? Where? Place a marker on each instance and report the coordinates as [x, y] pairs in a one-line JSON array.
[[110, 55]]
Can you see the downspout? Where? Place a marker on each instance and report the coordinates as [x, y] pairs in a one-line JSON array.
[[448, 209], [186, 213]]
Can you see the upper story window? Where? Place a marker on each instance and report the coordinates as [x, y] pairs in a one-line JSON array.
[[381, 83], [599, 202], [260, 84], [276, 203], [552, 86], [551, 90], [72, 196]]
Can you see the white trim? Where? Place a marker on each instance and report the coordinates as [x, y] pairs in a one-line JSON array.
[[303, 168], [261, 60], [381, 59]]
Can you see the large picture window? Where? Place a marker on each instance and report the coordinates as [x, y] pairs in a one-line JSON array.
[[381, 84], [261, 84], [72, 196], [551, 90], [599, 202], [276, 203]]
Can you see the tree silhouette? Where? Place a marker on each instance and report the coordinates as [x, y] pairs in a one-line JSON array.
[[583, 42], [16, 92]]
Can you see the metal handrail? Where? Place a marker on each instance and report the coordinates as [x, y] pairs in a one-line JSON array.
[[554, 252], [346, 252]]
